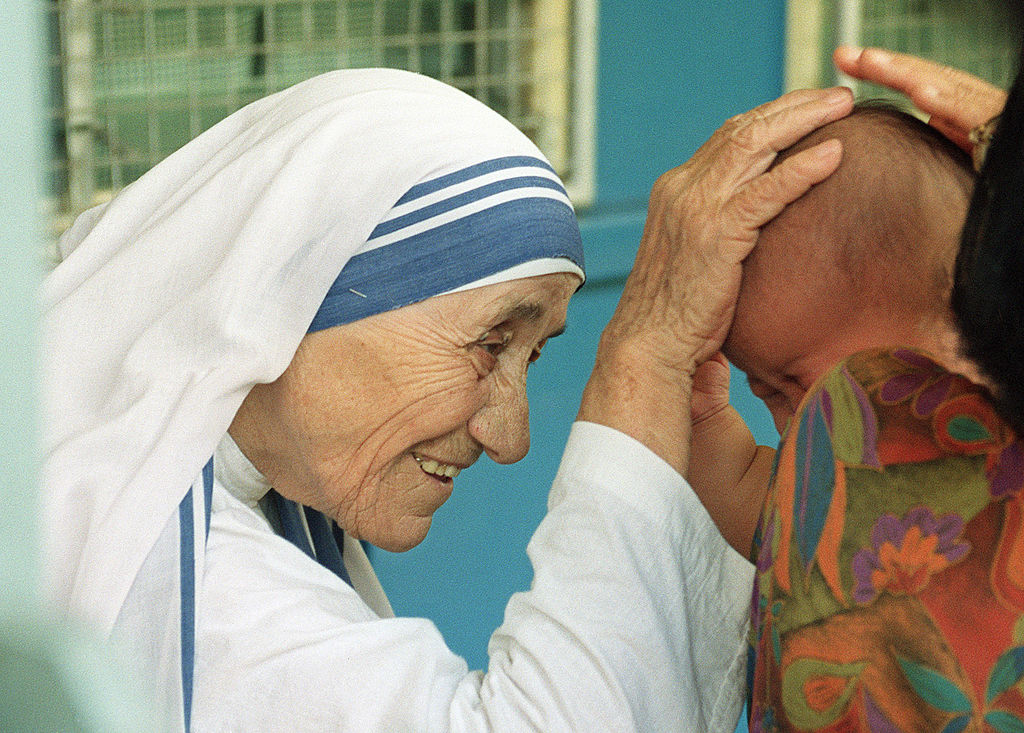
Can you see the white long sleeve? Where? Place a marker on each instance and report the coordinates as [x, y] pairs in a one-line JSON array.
[[635, 621]]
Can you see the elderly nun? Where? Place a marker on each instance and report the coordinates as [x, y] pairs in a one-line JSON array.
[[290, 336]]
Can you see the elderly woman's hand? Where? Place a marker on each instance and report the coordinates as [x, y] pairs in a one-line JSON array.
[[702, 220], [956, 101]]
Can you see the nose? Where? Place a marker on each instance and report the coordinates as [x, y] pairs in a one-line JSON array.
[[502, 426]]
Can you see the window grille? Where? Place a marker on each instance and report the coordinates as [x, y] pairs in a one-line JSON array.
[[133, 80], [977, 36]]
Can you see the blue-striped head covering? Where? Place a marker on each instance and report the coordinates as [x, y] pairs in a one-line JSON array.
[[495, 220], [200, 280]]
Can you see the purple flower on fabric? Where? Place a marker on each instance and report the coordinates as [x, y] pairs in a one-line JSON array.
[[928, 381], [878, 721], [1007, 475], [914, 359], [905, 552]]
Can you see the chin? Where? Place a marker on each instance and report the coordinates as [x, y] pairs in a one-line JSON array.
[[401, 541], [397, 546]]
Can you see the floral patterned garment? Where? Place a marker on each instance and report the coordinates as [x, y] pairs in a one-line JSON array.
[[889, 593]]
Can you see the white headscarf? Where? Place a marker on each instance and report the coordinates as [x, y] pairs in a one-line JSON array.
[[198, 281]]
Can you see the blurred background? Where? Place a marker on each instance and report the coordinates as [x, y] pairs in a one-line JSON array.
[[130, 81], [95, 92]]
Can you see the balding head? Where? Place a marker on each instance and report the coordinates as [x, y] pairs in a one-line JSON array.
[[863, 259]]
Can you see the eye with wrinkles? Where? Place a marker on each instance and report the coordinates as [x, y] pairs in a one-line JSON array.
[[494, 341], [489, 346]]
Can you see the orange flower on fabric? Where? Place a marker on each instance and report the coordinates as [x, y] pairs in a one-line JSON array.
[[906, 552]]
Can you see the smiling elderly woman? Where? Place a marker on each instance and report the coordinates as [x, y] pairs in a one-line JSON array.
[[372, 421], [295, 331]]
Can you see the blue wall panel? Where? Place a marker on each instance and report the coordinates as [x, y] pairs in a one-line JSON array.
[[669, 74]]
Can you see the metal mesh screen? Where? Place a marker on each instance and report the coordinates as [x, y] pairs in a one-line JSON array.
[[978, 37], [975, 36], [133, 80]]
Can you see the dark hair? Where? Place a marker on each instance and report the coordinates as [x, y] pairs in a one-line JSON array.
[[908, 132], [988, 292]]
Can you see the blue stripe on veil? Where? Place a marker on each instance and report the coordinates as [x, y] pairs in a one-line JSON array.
[[470, 172], [499, 214], [449, 256], [326, 550], [187, 580]]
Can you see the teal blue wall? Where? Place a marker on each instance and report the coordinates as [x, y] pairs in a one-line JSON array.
[[20, 166], [669, 73]]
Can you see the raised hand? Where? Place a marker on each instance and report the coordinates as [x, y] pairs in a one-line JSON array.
[[703, 220], [956, 101]]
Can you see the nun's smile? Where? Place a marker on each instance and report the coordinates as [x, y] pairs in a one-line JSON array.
[[373, 420]]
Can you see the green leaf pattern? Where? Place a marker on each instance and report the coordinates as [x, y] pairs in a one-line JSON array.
[[935, 689], [1004, 722], [941, 693], [1008, 671]]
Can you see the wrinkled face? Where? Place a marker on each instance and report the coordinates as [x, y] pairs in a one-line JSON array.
[[372, 420]]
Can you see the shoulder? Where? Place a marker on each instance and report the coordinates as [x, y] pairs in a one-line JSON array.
[[896, 406], [887, 439], [885, 436], [897, 496]]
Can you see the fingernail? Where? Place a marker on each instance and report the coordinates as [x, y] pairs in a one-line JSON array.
[[840, 95], [828, 149], [846, 54]]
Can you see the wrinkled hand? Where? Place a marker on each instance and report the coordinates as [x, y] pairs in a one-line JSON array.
[[956, 101], [702, 221]]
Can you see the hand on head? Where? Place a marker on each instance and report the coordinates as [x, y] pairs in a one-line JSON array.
[[702, 221], [863, 260], [956, 101]]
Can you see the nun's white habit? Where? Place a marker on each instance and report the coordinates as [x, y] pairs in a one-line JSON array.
[[197, 282]]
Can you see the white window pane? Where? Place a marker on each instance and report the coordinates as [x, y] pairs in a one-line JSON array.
[[131, 82]]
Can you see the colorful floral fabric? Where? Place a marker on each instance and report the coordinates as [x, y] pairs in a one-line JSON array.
[[889, 593]]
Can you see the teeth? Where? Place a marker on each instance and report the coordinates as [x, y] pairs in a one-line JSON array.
[[437, 469]]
